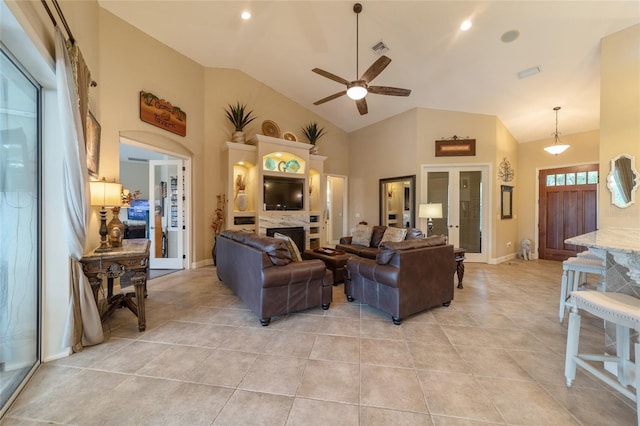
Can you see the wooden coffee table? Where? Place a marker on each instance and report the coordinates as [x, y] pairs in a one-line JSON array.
[[334, 260]]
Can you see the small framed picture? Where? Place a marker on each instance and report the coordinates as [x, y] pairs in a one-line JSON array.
[[92, 145]]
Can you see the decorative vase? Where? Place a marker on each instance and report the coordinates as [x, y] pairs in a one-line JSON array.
[[242, 201], [314, 150], [238, 137]]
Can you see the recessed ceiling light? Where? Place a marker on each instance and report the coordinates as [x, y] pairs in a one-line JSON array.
[[510, 36], [465, 25], [246, 15]]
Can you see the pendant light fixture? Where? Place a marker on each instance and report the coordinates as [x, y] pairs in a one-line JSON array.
[[557, 147]]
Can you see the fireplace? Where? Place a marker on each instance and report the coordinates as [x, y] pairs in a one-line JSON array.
[[295, 233]]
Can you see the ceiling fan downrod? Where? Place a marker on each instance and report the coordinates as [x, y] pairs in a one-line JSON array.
[[357, 8]]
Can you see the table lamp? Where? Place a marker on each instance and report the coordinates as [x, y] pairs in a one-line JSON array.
[[430, 211], [104, 194]]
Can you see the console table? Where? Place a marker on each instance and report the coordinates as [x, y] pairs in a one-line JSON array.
[[129, 263]]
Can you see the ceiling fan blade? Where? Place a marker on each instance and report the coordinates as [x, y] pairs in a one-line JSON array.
[[375, 69], [390, 91], [330, 76], [362, 106], [330, 98]]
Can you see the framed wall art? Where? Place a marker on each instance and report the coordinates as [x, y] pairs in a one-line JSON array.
[[92, 145], [456, 147]]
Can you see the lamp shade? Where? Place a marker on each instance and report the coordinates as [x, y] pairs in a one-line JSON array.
[[430, 211], [556, 149], [105, 194]]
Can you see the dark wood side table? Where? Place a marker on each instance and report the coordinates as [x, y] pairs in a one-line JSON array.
[[458, 254], [130, 263]]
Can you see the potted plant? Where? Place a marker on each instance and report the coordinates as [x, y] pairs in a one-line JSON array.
[[313, 132], [239, 118]]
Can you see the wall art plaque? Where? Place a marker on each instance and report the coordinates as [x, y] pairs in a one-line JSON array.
[[161, 113], [455, 147]]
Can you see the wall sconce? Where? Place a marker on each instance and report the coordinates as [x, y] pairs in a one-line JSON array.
[[430, 211], [104, 194]]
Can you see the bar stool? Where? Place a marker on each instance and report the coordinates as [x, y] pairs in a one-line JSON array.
[[620, 309], [574, 278], [588, 255]]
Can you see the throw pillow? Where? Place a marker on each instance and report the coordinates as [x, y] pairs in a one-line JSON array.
[[394, 234], [362, 235], [291, 245]]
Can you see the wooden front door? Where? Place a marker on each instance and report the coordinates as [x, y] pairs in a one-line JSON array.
[[568, 207]]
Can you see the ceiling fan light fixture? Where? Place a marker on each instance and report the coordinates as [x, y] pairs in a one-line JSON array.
[[357, 92]]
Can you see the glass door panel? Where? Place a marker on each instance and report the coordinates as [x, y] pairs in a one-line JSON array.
[[166, 214], [461, 192], [19, 230]]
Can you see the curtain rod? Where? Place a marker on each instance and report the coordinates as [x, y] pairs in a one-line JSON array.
[[61, 15], [64, 22]]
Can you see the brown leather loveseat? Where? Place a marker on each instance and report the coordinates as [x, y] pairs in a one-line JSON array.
[[405, 277], [370, 248], [260, 271]]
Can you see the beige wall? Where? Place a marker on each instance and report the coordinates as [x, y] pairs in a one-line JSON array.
[[401, 145], [382, 150], [227, 86], [583, 150], [619, 118], [131, 61]]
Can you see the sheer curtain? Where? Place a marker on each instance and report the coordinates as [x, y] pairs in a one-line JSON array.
[[83, 322]]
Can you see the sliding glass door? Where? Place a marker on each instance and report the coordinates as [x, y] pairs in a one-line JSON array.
[[19, 227]]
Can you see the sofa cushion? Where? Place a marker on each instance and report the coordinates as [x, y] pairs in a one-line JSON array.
[[414, 234], [388, 248], [362, 235], [394, 234], [291, 245], [376, 235]]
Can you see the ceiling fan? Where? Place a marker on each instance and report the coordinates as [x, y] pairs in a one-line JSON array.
[[358, 89]]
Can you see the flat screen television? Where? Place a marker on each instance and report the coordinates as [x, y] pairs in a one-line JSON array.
[[138, 210], [282, 193]]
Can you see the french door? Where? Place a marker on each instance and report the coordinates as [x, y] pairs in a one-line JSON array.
[[166, 214], [463, 192]]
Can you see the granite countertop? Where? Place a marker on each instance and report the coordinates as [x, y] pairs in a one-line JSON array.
[[625, 240]]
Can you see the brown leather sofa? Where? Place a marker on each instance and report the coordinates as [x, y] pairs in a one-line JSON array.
[[371, 250], [261, 273], [405, 277]]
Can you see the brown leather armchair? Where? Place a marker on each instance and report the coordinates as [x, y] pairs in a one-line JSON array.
[[261, 273], [405, 278]]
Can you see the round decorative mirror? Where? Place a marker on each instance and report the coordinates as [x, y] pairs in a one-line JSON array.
[[623, 180]]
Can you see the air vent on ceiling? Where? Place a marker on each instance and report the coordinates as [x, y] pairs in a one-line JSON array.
[[142, 160], [529, 72], [380, 48]]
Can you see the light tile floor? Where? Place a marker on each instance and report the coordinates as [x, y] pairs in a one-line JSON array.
[[494, 356]]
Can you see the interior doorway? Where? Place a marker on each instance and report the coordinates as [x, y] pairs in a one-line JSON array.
[[336, 208], [161, 211]]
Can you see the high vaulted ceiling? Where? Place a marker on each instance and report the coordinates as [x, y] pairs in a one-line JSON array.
[[472, 71]]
